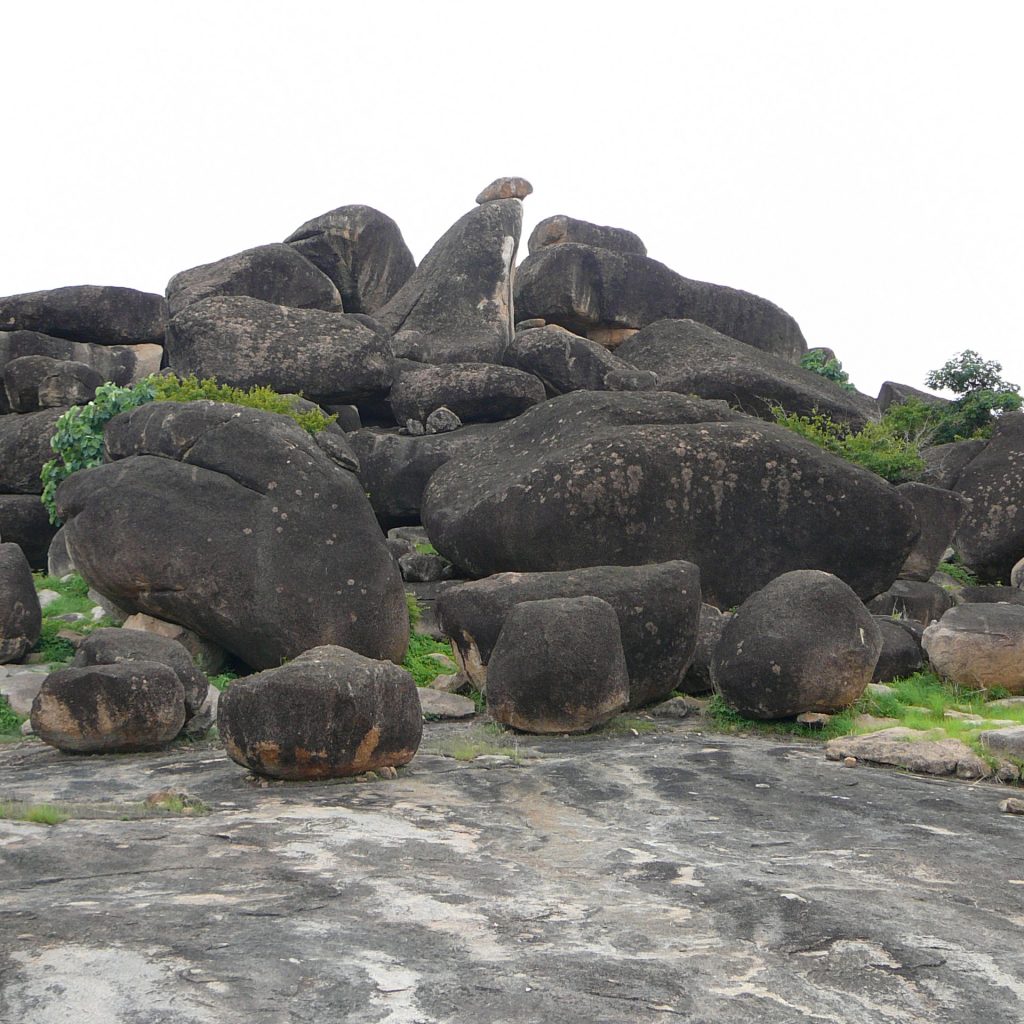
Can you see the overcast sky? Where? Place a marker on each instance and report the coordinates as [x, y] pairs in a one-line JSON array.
[[860, 164]]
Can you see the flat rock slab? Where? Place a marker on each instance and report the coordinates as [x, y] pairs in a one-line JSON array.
[[20, 687], [912, 749], [665, 877]]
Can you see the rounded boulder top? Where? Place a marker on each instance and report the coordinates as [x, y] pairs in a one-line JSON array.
[[505, 188]]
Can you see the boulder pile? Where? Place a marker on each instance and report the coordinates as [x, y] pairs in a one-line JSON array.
[[586, 442]]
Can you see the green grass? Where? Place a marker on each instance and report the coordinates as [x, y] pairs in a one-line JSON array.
[[10, 721], [39, 814], [73, 600], [223, 680], [960, 573], [426, 548], [919, 702], [418, 663]]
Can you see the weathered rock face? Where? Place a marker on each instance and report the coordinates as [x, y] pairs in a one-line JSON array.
[[657, 608], [919, 601], [990, 595], [38, 382], [560, 228], [564, 361], [558, 666], [900, 747], [122, 364], [901, 655], [24, 521], [694, 359], [116, 646], [457, 306], [584, 288], [328, 713], [89, 313], [939, 512], [990, 539], [979, 645], [944, 463], [1017, 575], [598, 478], [20, 615], [475, 392], [395, 469], [361, 250], [24, 447], [106, 709], [235, 523], [243, 342], [802, 643], [505, 188], [274, 273]]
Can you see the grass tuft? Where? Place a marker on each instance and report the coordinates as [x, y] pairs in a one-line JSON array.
[[39, 814]]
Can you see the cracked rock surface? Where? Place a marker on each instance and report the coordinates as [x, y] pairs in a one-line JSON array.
[[670, 876]]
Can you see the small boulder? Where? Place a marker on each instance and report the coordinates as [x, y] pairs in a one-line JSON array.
[[560, 228], [105, 709], [505, 188], [564, 361], [39, 382], [979, 645], [1009, 741], [901, 655], [274, 273], [329, 713], [804, 642], [911, 749], [558, 666], [922, 602], [20, 615]]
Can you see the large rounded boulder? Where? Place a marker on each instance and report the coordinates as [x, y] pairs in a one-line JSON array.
[[238, 525], [601, 478], [328, 713], [558, 666], [802, 643]]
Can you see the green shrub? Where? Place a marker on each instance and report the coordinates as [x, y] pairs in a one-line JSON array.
[[78, 438], [831, 369], [10, 720], [983, 397], [878, 447]]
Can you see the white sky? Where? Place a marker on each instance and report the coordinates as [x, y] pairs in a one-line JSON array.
[[861, 164]]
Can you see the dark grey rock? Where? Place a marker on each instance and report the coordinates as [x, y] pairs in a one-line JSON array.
[[244, 341], [892, 393], [122, 364], [440, 421], [558, 666], [564, 361], [625, 478], [38, 382], [329, 713], [24, 447], [560, 228], [939, 511], [631, 380], [25, 522], [89, 313], [657, 608], [457, 306], [234, 523], [990, 538], [945, 462], [106, 709], [113, 646], [274, 273], [901, 655], [394, 469], [418, 567], [58, 559], [990, 595], [475, 392], [361, 250], [20, 615], [692, 358], [802, 643], [920, 601], [584, 288]]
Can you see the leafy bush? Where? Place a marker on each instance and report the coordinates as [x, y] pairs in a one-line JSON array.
[[983, 396], [878, 447], [78, 438], [830, 368]]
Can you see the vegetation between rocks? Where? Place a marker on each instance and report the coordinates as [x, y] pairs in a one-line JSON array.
[[39, 814], [78, 438]]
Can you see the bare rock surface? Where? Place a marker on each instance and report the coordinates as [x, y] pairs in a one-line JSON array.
[[654, 879], [900, 747]]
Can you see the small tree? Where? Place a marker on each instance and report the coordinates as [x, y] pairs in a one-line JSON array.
[[983, 395]]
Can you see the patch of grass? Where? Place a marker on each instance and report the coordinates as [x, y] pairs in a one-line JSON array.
[[413, 606], [727, 719], [960, 573], [10, 721], [39, 814], [426, 548], [418, 662], [54, 649], [223, 680]]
